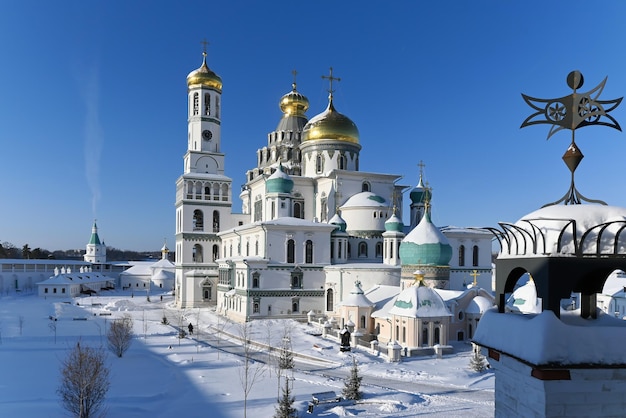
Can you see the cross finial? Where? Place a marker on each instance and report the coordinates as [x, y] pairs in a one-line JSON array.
[[421, 165], [294, 73], [204, 45], [330, 78], [474, 274]]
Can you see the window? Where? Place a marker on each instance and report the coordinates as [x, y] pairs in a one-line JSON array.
[[197, 253], [475, 256], [366, 187], [256, 308], [461, 255], [207, 104], [319, 166], [379, 249], [362, 321], [362, 249], [258, 209], [207, 291], [256, 278], [217, 106], [196, 98], [298, 211], [256, 247], [308, 250], [342, 162], [295, 305], [296, 280], [45, 290], [403, 334], [324, 209], [62, 290], [437, 332], [216, 221], [330, 300], [247, 248], [425, 336], [215, 253], [198, 220], [291, 249]]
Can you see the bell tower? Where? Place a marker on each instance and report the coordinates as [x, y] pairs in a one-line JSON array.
[[203, 192]]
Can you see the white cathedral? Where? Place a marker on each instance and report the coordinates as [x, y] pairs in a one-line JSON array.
[[313, 227]]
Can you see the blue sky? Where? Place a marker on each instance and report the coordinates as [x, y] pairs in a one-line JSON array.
[[93, 102]]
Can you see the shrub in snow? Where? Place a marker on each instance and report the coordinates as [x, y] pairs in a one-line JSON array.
[[120, 335], [285, 407], [478, 363]]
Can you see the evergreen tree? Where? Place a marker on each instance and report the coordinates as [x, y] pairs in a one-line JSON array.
[[285, 361], [285, 407], [352, 386], [477, 360]]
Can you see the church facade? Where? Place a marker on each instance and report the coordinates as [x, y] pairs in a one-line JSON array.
[[312, 222]]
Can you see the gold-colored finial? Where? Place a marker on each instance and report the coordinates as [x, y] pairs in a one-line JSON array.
[[474, 274], [204, 45]]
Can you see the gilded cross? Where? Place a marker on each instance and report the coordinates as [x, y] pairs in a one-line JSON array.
[[331, 79], [474, 274]]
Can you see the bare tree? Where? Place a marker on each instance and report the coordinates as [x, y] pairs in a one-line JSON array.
[[222, 322], [120, 335], [84, 381], [250, 371]]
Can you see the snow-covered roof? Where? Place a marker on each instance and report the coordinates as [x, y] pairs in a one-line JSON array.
[[560, 230], [419, 302], [382, 296], [365, 199], [543, 339], [524, 299], [615, 283], [479, 305], [357, 298], [76, 278]]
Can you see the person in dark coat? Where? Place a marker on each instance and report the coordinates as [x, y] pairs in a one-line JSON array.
[[190, 328]]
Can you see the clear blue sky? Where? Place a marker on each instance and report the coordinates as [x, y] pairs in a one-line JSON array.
[[93, 102]]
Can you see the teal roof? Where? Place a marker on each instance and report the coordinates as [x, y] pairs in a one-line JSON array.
[[279, 182], [95, 239], [420, 193], [394, 224], [425, 245]]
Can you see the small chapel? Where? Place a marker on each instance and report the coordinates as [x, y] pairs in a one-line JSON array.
[[315, 228]]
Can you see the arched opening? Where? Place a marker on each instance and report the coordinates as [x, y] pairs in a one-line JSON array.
[[366, 187], [362, 321], [308, 251], [215, 252], [318, 163], [291, 251], [460, 336], [197, 253], [216, 221], [436, 336], [207, 104], [362, 249], [297, 210], [475, 256], [330, 300], [198, 220], [461, 255]]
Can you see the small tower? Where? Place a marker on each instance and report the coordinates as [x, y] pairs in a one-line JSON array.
[[95, 251], [165, 252], [420, 196], [338, 240], [278, 189], [392, 238]]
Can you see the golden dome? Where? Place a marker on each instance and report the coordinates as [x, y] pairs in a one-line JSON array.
[[331, 125], [205, 77], [294, 103]]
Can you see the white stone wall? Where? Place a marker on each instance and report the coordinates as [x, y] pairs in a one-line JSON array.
[[587, 392]]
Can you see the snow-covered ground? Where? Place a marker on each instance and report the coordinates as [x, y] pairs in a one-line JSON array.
[[162, 376]]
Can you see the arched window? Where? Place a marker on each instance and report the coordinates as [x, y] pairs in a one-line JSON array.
[[297, 210], [323, 208], [403, 334], [197, 253], [256, 279], [207, 193], [198, 220], [425, 336], [318, 164], [362, 321], [308, 252], [216, 252], [256, 307], [296, 280], [225, 192], [196, 99], [216, 221], [475, 256], [436, 336], [247, 248], [256, 247], [342, 162], [291, 251], [461, 255], [217, 106], [362, 249], [379, 249], [207, 104], [330, 300], [216, 191], [366, 187], [295, 306]]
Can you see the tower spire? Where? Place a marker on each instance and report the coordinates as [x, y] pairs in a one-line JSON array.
[[330, 78]]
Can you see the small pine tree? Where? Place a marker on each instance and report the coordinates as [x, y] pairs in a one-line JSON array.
[[285, 361], [352, 386], [285, 407], [477, 361]]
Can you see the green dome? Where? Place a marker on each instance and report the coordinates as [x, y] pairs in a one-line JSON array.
[[394, 224], [279, 182], [425, 245], [420, 193]]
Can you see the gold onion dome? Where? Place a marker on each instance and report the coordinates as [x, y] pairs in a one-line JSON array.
[[205, 77], [294, 103], [330, 125]]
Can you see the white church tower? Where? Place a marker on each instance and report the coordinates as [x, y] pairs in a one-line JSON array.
[[203, 193], [95, 251]]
